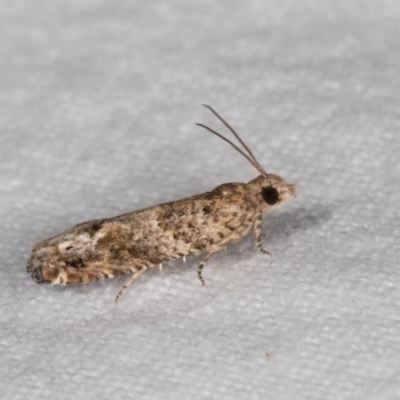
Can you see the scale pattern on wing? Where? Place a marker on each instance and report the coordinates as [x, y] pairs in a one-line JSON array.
[[173, 230]]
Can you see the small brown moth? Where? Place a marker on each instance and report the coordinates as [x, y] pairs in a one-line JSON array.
[[133, 242]]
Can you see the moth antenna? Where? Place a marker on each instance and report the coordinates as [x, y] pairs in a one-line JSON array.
[[236, 136], [250, 160]]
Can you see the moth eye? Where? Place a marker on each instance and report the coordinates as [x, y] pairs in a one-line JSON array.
[[69, 247], [270, 195]]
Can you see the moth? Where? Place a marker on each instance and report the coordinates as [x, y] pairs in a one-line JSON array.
[[133, 242]]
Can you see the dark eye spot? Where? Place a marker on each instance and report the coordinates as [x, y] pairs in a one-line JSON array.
[[270, 195], [69, 247]]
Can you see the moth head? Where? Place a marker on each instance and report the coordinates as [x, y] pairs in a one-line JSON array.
[[272, 190], [278, 192]]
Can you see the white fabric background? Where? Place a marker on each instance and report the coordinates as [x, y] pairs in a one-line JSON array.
[[98, 101]]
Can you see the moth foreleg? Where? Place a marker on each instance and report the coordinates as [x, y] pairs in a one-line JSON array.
[[201, 266], [132, 279], [257, 228]]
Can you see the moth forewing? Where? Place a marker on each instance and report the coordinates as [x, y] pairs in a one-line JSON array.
[[134, 242]]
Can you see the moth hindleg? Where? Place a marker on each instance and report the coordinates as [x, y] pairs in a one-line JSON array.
[[136, 275], [258, 233]]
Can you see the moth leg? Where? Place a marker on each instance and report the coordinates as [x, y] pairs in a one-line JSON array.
[[258, 233], [132, 279], [201, 266]]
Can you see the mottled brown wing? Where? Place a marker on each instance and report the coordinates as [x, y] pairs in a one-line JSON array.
[[117, 246], [173, 230]]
